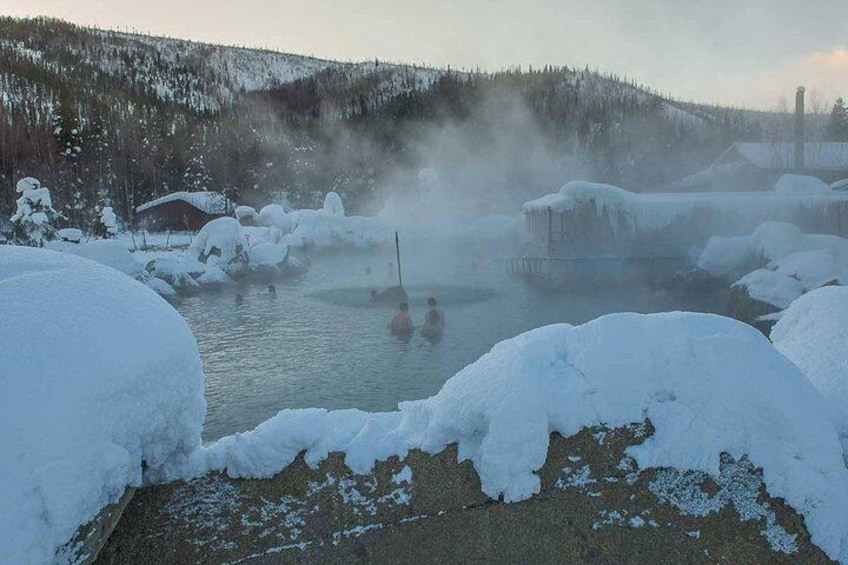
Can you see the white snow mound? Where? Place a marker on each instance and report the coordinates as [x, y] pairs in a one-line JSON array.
[[800, 184], [708, 384], [813, 334], [98, 374]]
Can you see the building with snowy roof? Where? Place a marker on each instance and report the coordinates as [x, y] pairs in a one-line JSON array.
[[757, 166], [183, 211], [596, 221]]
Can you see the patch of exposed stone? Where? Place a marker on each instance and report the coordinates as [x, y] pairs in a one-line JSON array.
[[595, 506], [90, 538]]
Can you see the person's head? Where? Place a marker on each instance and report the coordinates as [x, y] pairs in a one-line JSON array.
[[373, 294], [404, 307], [272, 289], [431, 302]]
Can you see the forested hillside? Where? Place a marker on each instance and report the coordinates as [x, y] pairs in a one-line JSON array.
[[111, 118]]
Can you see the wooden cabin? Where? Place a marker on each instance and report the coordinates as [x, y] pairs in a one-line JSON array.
[[183, 211]]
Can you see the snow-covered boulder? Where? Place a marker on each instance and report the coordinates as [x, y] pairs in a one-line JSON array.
[[178, 271], [773, 288], [813, 334], [247, 216], [840, 185], [221, 242], [316, 229], [213, 276], [267, 256], [160, 287], [71, 235], [800, 184], [274, 215], [257, 235], [99, 375], [709, 385], [333, 205]]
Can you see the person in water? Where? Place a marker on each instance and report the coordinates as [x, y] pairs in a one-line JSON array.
[[434, 320], [401, 322]]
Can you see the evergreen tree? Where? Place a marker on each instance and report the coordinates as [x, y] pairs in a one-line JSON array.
[[837, 125], [35, 212]]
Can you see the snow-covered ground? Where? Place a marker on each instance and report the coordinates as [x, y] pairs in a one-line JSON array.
[[98, 375]]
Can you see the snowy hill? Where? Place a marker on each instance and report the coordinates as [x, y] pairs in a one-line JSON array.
[[119, 119]]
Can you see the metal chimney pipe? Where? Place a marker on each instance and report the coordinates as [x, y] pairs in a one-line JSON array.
[[799, 129]]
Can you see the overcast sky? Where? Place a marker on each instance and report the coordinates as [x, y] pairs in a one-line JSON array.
[[748, 53]]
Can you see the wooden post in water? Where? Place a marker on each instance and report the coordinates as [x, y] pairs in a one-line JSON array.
[[397, 250]]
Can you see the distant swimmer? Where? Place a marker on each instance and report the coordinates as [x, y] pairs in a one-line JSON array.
[[239, 299], [434, 320], [374, 297], [272, 289], [401, 324]]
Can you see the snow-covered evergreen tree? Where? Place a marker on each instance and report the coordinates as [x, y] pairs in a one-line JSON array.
[[34, 214]]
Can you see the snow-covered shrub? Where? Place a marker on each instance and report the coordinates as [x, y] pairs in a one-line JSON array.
[[34, 213], [333, 205], [221, 242], [116, 382], [107, 223]]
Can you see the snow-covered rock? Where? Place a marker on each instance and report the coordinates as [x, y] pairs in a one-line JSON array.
[[160, 287], [274, 215], [71, 235], [773, 288], [813, 334], [800, 184], [268, 256], [707, 384], [98, 375], [840, 185], [247, 216], [176, 270], [333, 205], [213, 276], [221, 242]]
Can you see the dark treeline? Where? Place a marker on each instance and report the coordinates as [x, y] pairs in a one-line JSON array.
[[116, 119]]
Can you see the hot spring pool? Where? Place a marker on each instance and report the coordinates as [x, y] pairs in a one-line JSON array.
[[319, 343]]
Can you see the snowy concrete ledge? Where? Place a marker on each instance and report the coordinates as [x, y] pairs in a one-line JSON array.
[[594, 506]]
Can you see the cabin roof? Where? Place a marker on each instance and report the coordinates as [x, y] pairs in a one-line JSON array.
[[205, 201], [818, 156]]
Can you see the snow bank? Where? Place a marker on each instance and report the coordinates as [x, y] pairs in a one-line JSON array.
[[813, 259], [221, 242], [800, 184], [840, 185], [708, 384], [110, 253], [770, 287], [813, 334], [98, 374], [318, 229]]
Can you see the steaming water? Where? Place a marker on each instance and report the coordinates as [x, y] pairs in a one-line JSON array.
[[319, 343]]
